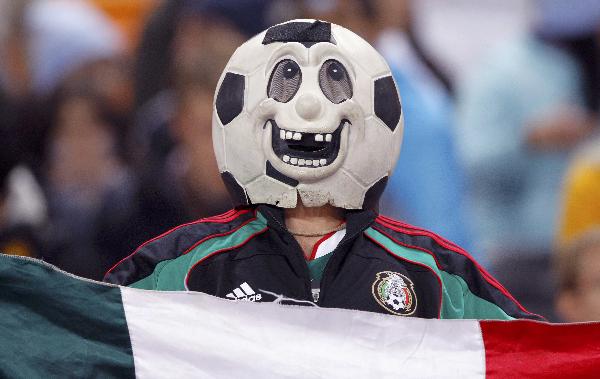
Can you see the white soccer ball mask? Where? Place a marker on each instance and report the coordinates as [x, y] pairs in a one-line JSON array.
[[308, 109]]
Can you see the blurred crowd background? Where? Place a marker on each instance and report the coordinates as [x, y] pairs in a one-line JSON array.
[[105, 127]]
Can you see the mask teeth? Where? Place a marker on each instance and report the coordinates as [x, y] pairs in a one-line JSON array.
[[320, 137], [297, 136], [304, 162]]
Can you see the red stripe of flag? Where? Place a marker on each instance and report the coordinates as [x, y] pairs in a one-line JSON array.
[[531, 349]]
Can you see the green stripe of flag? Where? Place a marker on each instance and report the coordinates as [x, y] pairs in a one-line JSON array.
[[54, 326]]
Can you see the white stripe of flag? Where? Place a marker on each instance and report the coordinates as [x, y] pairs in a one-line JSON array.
[[211, 337]]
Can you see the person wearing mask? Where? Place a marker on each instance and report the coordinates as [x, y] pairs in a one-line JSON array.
[[307, 127]]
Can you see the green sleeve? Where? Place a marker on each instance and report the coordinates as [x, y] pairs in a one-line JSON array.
[[460, 302]]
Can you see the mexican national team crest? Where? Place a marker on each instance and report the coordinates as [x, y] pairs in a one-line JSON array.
[[395, 292]]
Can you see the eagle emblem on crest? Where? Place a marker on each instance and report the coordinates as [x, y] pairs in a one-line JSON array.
[[395, 292]]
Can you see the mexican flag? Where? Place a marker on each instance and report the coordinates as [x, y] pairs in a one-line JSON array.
[[55, 325]]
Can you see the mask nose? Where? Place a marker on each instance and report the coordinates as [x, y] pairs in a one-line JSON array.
[[308, 106]]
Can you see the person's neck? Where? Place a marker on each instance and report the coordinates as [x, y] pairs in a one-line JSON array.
[[309, 224]]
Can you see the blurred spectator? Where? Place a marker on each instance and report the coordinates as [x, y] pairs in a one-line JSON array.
[[69, 99], [578, 266], [192, 164], [581, 194], [90, 188], [43, 42], [521, 114], [179, 178], [426, 187]]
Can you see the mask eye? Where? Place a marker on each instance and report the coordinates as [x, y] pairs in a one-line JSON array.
[[335, 82], [285, 81]]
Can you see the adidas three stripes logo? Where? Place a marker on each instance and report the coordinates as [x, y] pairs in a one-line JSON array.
[[244, 293]]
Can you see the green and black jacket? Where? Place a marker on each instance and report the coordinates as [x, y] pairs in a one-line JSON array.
[[381, 265]]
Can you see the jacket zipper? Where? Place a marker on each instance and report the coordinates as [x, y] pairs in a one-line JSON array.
[[308, 286], [327, 266], [307, 283]]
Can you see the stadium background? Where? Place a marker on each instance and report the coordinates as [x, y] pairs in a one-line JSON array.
[[105, 117]]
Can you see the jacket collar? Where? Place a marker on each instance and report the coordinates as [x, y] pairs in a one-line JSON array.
[[356, 220]]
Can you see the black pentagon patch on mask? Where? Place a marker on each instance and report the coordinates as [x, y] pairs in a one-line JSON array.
[[373, 194], [387, 102], [273, 173], [307, 33], [230, 99], [236, 191]]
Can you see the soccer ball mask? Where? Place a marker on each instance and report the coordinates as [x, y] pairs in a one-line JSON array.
[[307, 108]]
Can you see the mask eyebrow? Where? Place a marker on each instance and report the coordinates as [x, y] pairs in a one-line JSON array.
[[307, 33]]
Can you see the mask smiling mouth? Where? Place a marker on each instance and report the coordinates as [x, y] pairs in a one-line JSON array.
[[306, 149]]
